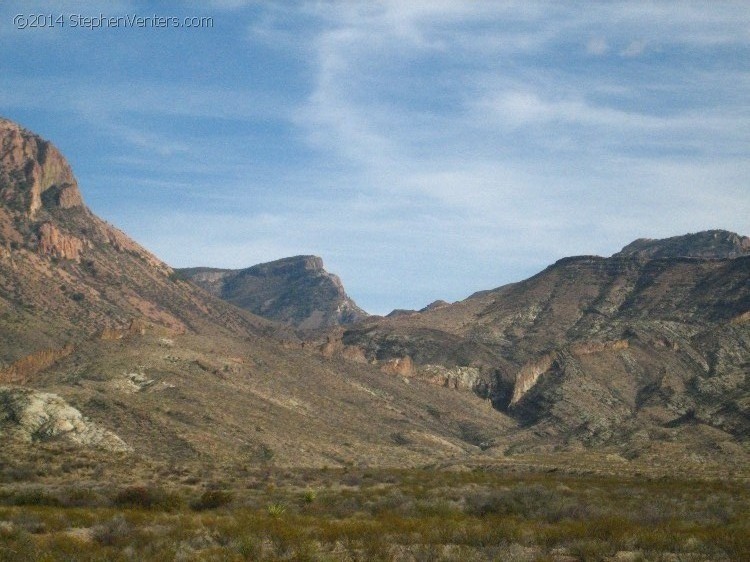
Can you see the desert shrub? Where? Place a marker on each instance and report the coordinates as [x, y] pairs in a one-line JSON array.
[[592, 550], [533, 502], [248, 547], [276, 509], [81, 497], [146, 497], [115, 531], [30, 523], [33, 496], [212, 499], [19, 473]]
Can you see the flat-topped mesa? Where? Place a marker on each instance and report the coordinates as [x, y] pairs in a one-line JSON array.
[[33, 173], [706, 244]]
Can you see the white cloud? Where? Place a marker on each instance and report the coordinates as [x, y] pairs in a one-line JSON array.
[[597, 46], [451, 146], [634, 49]]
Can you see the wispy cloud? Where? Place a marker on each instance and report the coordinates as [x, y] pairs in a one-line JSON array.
[[440, 147]]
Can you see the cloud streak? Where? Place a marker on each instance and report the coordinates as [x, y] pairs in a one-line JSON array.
[[438, 147]]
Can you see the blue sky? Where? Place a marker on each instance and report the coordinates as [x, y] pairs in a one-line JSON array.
[[425, 150]]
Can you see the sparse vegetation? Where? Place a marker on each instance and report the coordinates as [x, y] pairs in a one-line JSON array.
[[145, 497], [212, 499], [386, 515]]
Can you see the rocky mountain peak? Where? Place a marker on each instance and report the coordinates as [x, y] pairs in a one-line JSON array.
[[706, 244], [295, 265], [295, 290], [33, 173]]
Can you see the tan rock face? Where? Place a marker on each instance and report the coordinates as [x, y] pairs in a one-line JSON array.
[[33, 172], [403, 366], [21, 370], [528, 375], [55, 243], [457, 378], [39, 416], [68, 197]]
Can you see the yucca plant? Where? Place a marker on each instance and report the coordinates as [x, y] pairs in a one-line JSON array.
[[276, 509]]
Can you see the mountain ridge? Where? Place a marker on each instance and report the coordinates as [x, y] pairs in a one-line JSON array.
[[550, 350], [296, 290], [640, 357], [104, 346], [706, 244]]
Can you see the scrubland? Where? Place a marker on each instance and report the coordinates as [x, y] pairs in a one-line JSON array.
[[270, 513]]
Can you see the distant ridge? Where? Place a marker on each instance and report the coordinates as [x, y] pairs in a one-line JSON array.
[[706, 244], [295, 290]]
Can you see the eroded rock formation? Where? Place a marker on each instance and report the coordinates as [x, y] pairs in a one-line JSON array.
[[30, 415], [53, 242], [36, 168]]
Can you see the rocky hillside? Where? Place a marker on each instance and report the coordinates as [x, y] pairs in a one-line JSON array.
[[104, 347], [296, 291], [640, 358], [66, 275], [626, 351], [708, 244]]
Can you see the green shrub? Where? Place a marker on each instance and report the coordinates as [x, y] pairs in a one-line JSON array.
[[145, 497], [33, 497], [276, 509], [212, 499]]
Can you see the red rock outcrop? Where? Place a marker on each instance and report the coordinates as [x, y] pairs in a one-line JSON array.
[[19, 371], [36, 167], [53, 242]]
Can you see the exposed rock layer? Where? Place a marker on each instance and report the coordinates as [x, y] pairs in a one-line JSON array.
[[30, 415], [596, 349], [297, 291]]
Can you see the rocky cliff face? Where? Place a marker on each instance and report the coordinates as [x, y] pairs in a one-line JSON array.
[[595, 350], [708, 244], [33, 173], [296, 291], [55, 243], [65, 274]]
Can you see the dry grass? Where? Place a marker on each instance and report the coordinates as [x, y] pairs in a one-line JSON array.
[[381, 515]]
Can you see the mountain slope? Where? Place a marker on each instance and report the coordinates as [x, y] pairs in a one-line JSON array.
[[102, 346], [623, 351], [65, 274], [296, 291]]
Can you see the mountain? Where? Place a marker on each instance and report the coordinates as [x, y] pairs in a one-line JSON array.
[[648, 349], [107, 353], [65, 274], [296, 291], [708, 244]]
